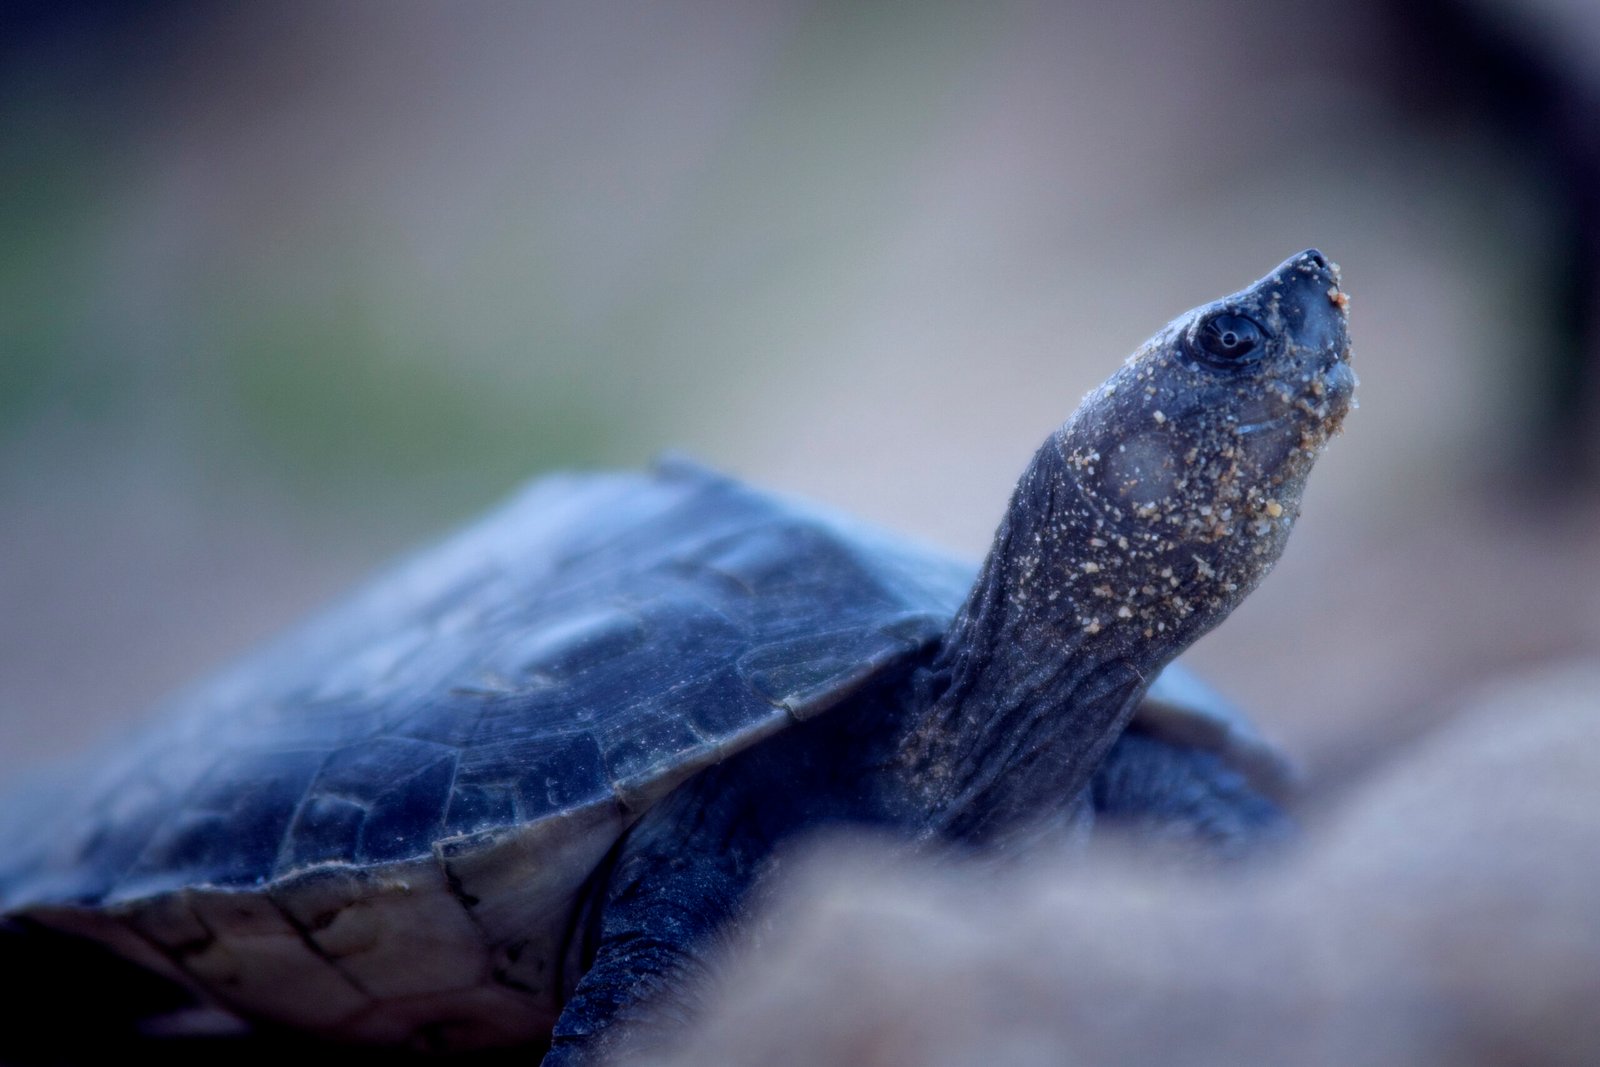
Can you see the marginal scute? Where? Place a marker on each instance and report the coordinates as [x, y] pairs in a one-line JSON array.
[[231, 826], [807, 675], [372, 801], [326, 830]]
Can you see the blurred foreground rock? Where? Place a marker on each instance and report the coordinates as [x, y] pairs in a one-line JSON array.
[[1447, 912]]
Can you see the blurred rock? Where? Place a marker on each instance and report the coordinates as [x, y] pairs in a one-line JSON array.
[[1445, 913]]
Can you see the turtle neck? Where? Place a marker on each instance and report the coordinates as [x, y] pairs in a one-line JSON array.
[[1033, 682]]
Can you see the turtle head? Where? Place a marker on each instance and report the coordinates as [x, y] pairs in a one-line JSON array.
[[1261, 378], [1186, 466]]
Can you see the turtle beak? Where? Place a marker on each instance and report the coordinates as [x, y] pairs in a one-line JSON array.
[[1313, 306], [1315, 310]]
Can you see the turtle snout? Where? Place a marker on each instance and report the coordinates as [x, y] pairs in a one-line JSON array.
[[1314, 306]]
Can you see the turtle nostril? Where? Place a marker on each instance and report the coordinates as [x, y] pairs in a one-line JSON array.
[[1314, 256]]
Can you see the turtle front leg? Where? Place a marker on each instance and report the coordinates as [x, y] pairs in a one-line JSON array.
[[1186, 795], [669, 899]]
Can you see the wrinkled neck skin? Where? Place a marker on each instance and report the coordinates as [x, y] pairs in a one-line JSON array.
[[995, 740], [1137, 527]]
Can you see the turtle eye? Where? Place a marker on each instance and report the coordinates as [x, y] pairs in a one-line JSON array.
[[1229, 338]]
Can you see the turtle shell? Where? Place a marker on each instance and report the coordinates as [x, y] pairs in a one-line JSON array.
[[433, 768]]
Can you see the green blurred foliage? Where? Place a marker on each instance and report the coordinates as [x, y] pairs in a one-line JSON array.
[[56, 186], [336, 400]]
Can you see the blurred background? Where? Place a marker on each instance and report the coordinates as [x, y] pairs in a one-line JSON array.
[[288, 288]]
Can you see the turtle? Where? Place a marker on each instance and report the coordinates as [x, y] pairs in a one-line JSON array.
[[514, 791]]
